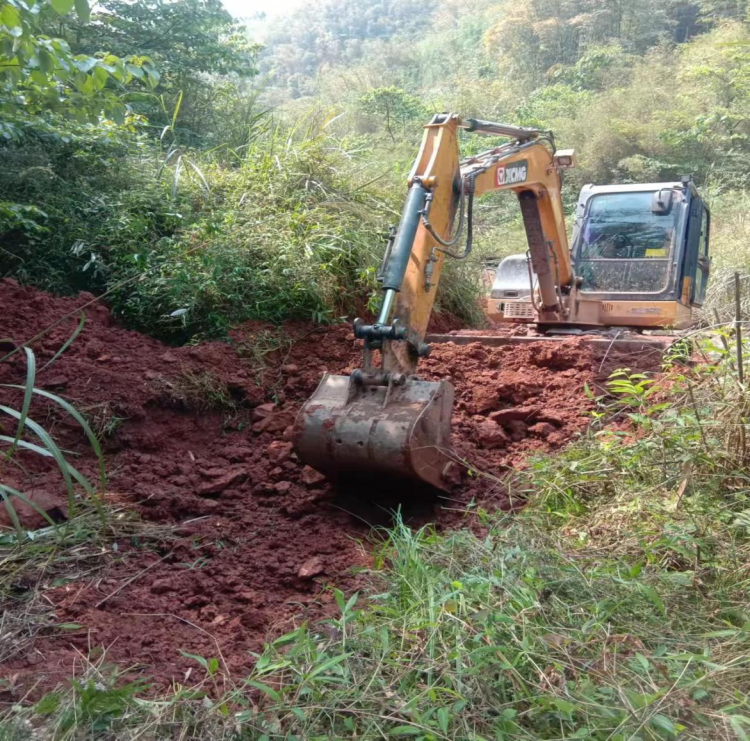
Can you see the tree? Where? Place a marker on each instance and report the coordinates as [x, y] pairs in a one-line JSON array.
[[188, 40], [534, 36], [40, 74], [393, 106]]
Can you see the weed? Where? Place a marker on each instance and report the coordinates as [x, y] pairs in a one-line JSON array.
[[103, 419], [31, 438], [196, 392], [265, 351], [525, 633]]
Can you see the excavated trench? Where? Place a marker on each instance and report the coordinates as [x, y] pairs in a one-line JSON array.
[[197, 439]]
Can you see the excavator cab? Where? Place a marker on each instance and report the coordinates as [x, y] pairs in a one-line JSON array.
[[512, 290], [642, 251], [640, 254]]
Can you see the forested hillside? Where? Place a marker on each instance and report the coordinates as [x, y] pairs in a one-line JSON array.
[[219, 166]]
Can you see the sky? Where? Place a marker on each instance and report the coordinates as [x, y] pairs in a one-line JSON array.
[[248, 8]]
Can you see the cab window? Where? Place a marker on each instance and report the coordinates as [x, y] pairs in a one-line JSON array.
[[623, 246], [701, 271]]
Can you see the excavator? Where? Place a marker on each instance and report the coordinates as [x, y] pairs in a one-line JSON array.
[[639, 261]]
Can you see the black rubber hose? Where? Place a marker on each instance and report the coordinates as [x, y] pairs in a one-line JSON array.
[[469, 225]]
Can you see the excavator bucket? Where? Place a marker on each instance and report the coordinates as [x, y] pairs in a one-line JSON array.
[[350, 428]]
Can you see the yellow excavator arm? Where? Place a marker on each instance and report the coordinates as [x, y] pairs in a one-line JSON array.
[[439, 184], [383, 420]]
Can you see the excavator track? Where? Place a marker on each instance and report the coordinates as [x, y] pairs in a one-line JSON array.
[[658, 344]]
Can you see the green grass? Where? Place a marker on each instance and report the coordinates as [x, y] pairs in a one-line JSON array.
[[31, 438], [730, 251]]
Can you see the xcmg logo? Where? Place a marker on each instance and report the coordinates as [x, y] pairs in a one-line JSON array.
[[515, 173]]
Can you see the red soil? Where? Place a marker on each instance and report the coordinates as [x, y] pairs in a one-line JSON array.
[[257, 536]]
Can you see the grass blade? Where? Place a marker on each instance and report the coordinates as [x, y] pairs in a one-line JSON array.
[[198, 172], [6, 492], [28, 390], [51, 445], [177, 172], [67, 343], [77, 475], [12, 512], [176, 113], [78, 417]]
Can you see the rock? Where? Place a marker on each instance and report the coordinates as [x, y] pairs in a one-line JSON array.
[[104, 358], [169, 357], [30, 519], [542, 429], [452, 473], [517, 430], [283, 487], [288, 433], [490, 435], [161, 586], [103, 315], [212, 473], [553, 419], [312, 567], [253, 619], [150, 375], [311, 477], [277, 422], [279, 452], [223, 482], [197, 600], [55, 382], [262, 411], [504, 416], [290, 370], [237, 453], [485, 398], [265, 488]]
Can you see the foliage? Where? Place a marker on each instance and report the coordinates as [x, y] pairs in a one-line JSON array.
[[40, 75], [194, 43], [336, 32], [31, 438], [90, 205], [396, 107], [536, 36], [280, 236]]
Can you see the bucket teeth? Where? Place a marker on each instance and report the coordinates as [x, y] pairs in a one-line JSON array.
[[395, 431]]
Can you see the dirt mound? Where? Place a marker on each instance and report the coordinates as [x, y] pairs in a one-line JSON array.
[[199, 438]]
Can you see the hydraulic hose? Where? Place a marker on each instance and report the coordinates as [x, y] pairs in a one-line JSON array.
[[469, 220]]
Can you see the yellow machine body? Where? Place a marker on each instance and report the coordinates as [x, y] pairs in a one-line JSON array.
[[385, 421]]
